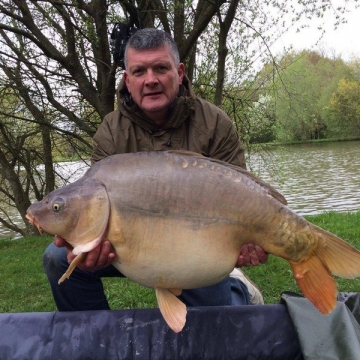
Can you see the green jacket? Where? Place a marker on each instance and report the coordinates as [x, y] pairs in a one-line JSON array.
[[194, 124]]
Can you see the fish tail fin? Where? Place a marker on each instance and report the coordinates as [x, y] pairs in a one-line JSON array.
[[172, 309], [332, 256], [341, 258]]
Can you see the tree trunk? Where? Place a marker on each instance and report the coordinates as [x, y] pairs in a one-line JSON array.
[[223, 50]]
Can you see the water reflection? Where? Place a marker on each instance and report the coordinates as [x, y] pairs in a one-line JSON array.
[[315, 177]]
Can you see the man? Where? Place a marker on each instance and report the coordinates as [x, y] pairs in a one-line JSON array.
[[157, 110]]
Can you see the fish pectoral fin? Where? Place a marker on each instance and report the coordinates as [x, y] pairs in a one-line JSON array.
[[78, 259], [176, 292], [172, 309], [315, 281]]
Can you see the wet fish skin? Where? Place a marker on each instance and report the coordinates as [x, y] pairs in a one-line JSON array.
[[178, 220]]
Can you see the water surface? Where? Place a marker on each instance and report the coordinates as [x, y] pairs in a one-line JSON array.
[[314, 178]]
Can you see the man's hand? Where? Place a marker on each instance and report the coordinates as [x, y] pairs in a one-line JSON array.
[[98, 258], [251, 254]]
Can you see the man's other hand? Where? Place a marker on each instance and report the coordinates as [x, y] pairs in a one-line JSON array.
[[251, 254]]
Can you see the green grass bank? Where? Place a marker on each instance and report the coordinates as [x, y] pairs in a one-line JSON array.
[[24, 286]]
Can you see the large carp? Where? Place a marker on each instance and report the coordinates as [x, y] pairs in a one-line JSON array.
[[178, 220]]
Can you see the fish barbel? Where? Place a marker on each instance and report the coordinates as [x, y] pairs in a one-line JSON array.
[[177, 221]]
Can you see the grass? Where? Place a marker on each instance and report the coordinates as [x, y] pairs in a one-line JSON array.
[[24, 286]]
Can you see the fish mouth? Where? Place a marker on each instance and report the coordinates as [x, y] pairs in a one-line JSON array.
[[33, 222]]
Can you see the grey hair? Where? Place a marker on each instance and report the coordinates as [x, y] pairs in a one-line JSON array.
[[150, 38]]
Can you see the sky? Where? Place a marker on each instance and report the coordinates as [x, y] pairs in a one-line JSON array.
[[343, 42]]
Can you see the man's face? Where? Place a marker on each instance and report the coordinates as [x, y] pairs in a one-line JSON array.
[[153, 80]]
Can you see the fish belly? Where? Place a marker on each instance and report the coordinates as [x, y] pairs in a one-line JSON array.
[[159, 252]]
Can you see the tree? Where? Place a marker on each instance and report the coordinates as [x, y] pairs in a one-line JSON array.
[[345, 109], [302, 92], [18, 172]]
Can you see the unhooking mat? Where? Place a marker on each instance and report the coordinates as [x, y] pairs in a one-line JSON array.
[[293, 331], [234, 332]]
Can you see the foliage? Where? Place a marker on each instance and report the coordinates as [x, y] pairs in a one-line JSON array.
[[344, 108], [302, 93], [260, 120]]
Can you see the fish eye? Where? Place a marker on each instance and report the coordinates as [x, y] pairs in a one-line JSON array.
[[57, 205]]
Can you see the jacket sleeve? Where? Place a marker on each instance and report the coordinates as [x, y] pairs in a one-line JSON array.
[[226, 144]]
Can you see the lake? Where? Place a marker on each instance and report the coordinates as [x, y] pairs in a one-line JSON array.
[[314, 178]]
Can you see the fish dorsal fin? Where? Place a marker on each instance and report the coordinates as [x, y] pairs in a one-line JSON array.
[[172, 309], [269, 189], [186, 152]]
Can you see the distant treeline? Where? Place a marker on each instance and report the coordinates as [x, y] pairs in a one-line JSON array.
[[303, 96]]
